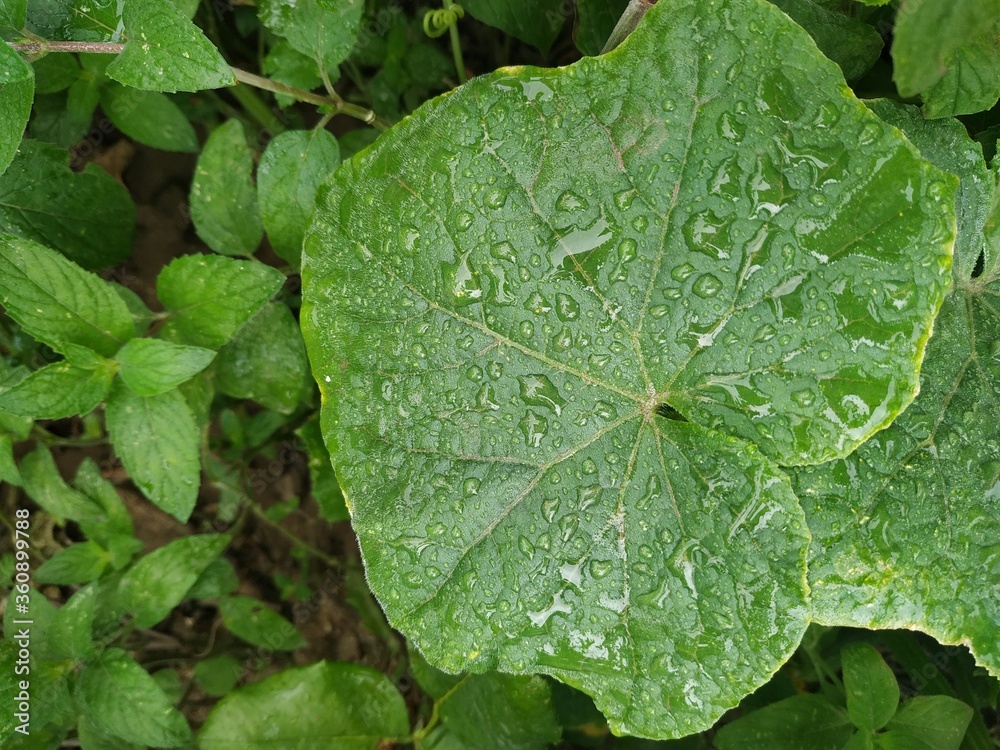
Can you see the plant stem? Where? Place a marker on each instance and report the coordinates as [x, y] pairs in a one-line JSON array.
[[628, 22], [334, 101], [456, 46], [333, 562]]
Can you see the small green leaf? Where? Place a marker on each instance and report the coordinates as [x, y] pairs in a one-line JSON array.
[[12, 14], [860, 741], [71, 631], [802, 722], [165, 51], [323, 484], [251, 620], [57, 391], [170, 683], [930, 722], [514, 712], [324, 30], [596, 19], [158, 442], [45, 486], [114, 532], [217, 675], [216, 581], [55, 72], [58, 302], [266, 361], [142, 316], [151, 366], [361, 709], [291, 170], [223, 197], [159, 581], [212, 297], [286, 64], [972, 83], [149, 117], [17, 90], [852, 44], [79, 563], [872, 690], [928, 33], [120, 698], [88, 216], [537, 22], [8, 469]]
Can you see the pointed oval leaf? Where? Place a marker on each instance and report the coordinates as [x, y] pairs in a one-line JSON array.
[[165, 51], [905, 529], [122, 700], [158, 442], [87, 216], [58, 391], [512, 319], [150, 367], [324, 30], [255, 623], [872, 690], [290, 172], [210, 298], [58, 302], [17, 88], [223, 197], [325, 704]]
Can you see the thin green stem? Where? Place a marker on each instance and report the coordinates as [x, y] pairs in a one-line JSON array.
[[334, 101], [456, 45]]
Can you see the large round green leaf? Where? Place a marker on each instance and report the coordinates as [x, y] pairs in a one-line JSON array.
[[566, 324]]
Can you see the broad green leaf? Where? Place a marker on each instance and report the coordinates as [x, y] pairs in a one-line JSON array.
[[852, 44], [44, 485], [596, 19], [12, 13], [120, 698], [88, 216], [511, 320], [323, 484], [929, 33], [217, 675], [803, 722], [360, 709], [79, 563], [514, 712], [931, 722], [149, 117], [75, 20], [159, 581], [251, 620], [165, 51], [223, 197], [211, 298], [17, 90], [291, 170], [536, 22], [914, 512], [872, 690], [59, 303], [861, 740], [266, 361], [157, 440], [324, 30], [71, 631], [150, 367], [57, 391]]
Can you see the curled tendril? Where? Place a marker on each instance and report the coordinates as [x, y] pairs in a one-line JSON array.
[[437, 22]]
